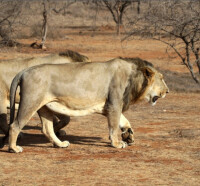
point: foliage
(177, 24)
(9, 14)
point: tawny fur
(79, 89)
(9, 68)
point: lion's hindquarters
(31, 100)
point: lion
(79, 89)
(9, 68)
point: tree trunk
(44, 27)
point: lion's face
(156, 88)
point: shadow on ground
(38, 139)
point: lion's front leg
(127, 131)
(113, 123)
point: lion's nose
(167, 91)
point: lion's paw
(63, 144)
(127, 136)
(120, 144)
(16, 149)
(61, 133)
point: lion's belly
(63, 109)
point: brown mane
(137, 61)
(75, 56)
(132, 94)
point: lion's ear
(148, 72)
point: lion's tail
(16, 81)
(13, 88)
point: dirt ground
(167, 136)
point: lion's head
(145, 82)
(156, 86)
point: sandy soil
(167, 136)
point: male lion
(79, 89)
(9, 68)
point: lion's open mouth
(155, 98)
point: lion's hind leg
(3, 109)
(46, 117)
(23, 116)
(13, 134)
